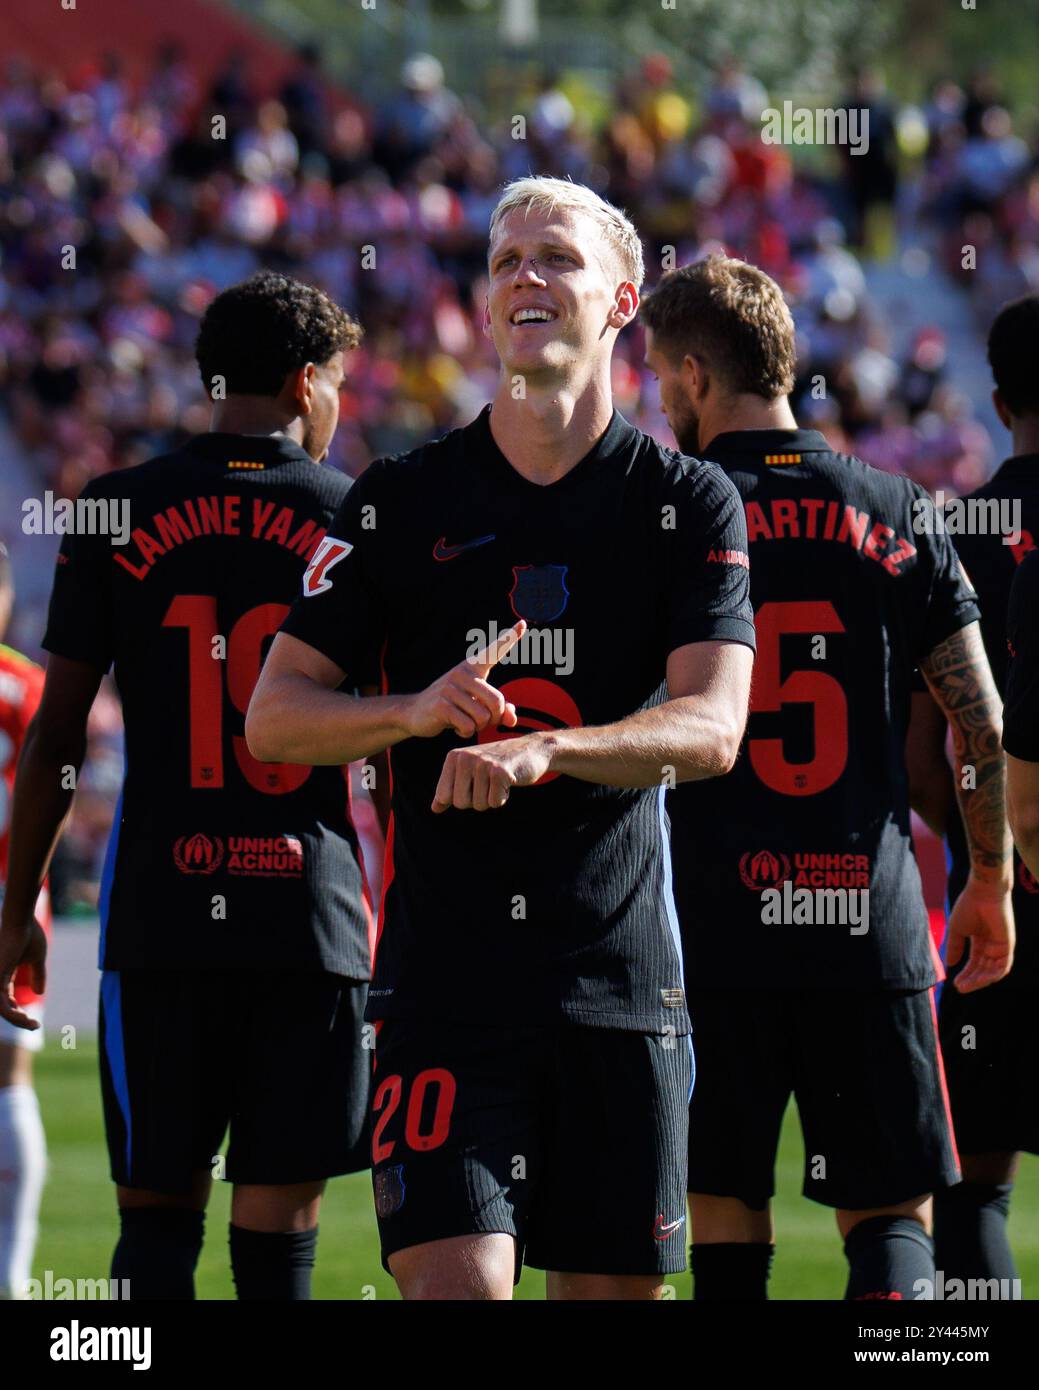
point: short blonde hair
(545, 194)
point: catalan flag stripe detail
(782, 458)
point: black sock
(888, 1256)
(272, 1264)
(970, 1231)
(731, 1271)
(157, 1252)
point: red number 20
(389, 1095)
(823, 692)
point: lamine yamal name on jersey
(220, 515)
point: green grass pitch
(78, 1221)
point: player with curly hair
(228, 883)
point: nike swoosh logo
(443, 551)
(662, 1230)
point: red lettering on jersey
(231, 505)
(279, 530)
(854, 527)
(261, 511)
(209, 511)
(902, 551)
(138, 571)
(800, 518)
(757, 527)
(812, 506)
(880, 533)
(784, 518)
(307, 539)
(148, 548)
(728, 557)
(172, 528)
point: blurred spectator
(734, 93)
(303, 97)
(871, 172)
(417, 117)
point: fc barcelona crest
(389, 1190)
(539, 592)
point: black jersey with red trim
(216, 860)
(993, 529)
(558, 903)
(849, 597)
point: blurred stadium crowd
(97, 365)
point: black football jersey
(848, 599)
(216, 860)
(557, 904)
(992, 551)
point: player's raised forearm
(300, 716)
(43, 793)
(958, 674)
(683, 740)
(294, 719)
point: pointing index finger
(490, 655)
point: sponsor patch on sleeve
(328, 553)
(728, 557)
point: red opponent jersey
(21, 685)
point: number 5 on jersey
(821, 691)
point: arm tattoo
(958, 674)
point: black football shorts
(279, 1057)
(991, 1047)
(865, 1069)
(570, 1139)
